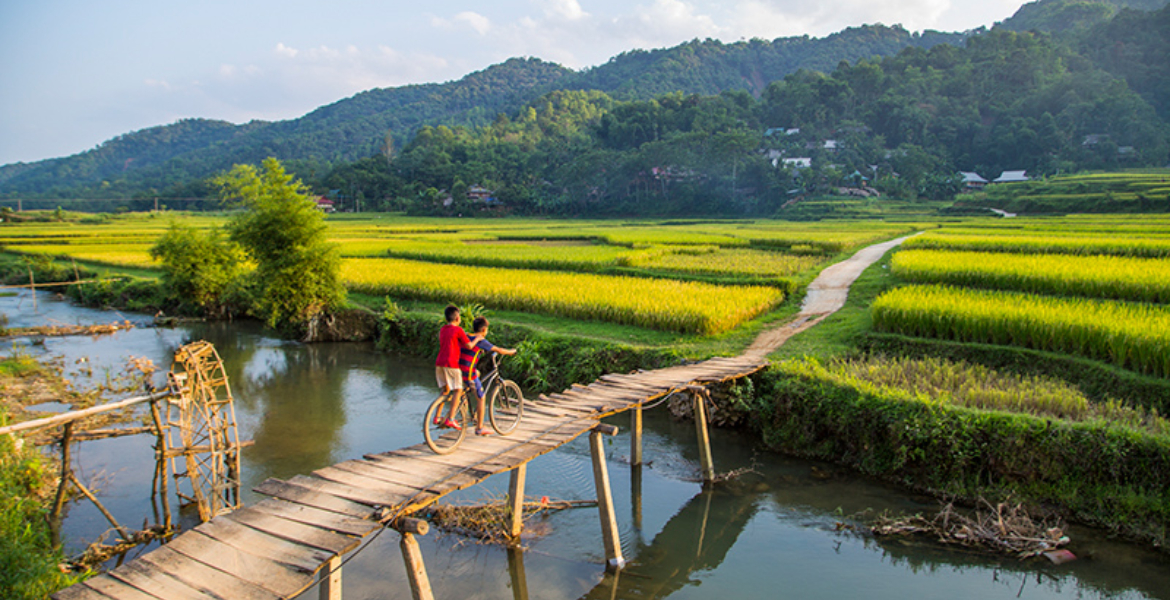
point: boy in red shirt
(452, 339)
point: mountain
(1068, 16)
(710, 67)
(166, 160)
(158, 158)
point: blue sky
(77, 73)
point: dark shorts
(474, 384)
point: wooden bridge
(295, 538)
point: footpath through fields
(280, 546)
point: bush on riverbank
(1096, 472)
(28, 561)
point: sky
(76, 73)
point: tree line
(903, 125)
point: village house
(478, 193)
(324, 204)
(972, 181)
(1012, 177)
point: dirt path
(826, 295)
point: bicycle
(439, 437)
(504, 402)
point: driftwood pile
(488, 522)
(1002, 529)
(63, 330)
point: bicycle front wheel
(506, 407)
(439, 437)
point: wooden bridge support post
(330, 578)
(636, 437)
(609, 530)
(707, 465)
(516, 500)
(416, 571)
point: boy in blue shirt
(467, 359)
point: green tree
(199, 268)
(297, 271)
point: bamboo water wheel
(202, 440)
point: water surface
(772, 533)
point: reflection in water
(697, 538)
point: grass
(960, 383)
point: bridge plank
(201, 576)
(316, 517)
(279, 578)
(329, 541)
(372, 469)
(284, 490)
(298, 556)
(145, 577)
(362, 495)
(83, 592)
(108, 587)
(398, 491)
(432, 473)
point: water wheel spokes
(204, 444)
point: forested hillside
(902, 125)
(710, 67)
(357, 127)
(1071, 16)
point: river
(772, 533)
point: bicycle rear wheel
(505, 406)
(439, 437)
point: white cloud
(285, 50)
(476, 21)
(564, 9)
(779, 18)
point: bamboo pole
(80, 414)
(35, 285)
(160, 454)
(66, 475)
(109, 517)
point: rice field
(652, 273)
(1116, 277)
(121, 255)
(725, 262)
(1130, 335)
(1082, 244)
(688, 307)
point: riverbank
(27, 482)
